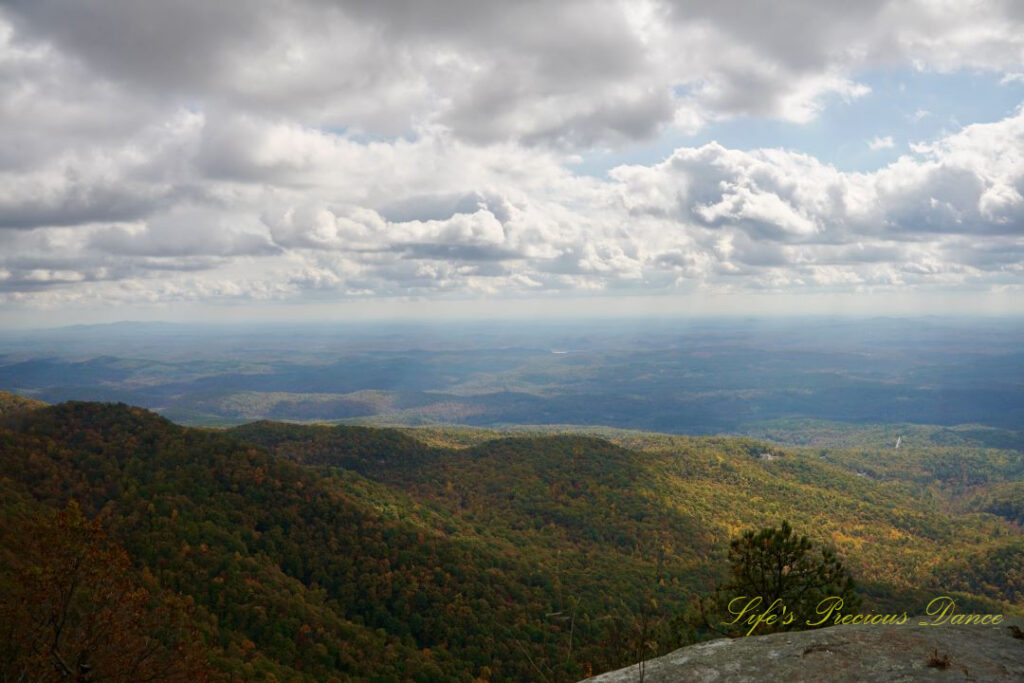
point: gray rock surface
(844, 653)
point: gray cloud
(183, 239)
(185, 46)
(800, 34)
(710, 216)
(78, 204)
(457, 252)
(444, 206)
(267, 150)
(571, 73)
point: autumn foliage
(132, 548)
(75, 610)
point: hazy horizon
(962, 305)
(692, 375)
(526, 319)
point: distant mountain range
(696, 377)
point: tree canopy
(778, 581)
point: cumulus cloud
(192, 150)
(569, 73)
(878, 143)
(709, 216)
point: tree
(777, 582)
(74, 610)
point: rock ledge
(845, 653)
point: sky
(309, 159)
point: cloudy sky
(303, 158)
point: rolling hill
(301, 552)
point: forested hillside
(291, 552)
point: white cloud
(185, 151)
(567, 74)
(878, 143)
(709, 217)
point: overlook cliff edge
(908, 652)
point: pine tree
(774, 572)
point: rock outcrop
(910, 652)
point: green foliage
(75, 610)
(1005, 500)
(11, 404)
(777, 565)
(997, 569)
(778, 581)
(337, 553)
